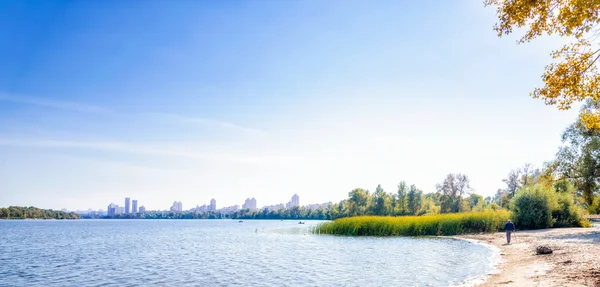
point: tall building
(142, 209)
(177, 206)
(294, 202)
(249, 203)
(120, 210)
(213, 205)
(111, 209)
(134, 208)
(127, 205)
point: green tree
(532, 207)
(4, 213)
(358, 199)
(414, 200)
(452, 190)
(475, 200)
(429, 205)
(18, 212)
(578, 160)
(401, 203)
(381, 201)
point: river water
(224, 253)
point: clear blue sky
(190, 100)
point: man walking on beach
(509, 227)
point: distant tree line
(295, 212)
(161, 215)
(453, 195)
(291, 213)
(19, 212)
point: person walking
(509, 227)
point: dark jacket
(509, 226)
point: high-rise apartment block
(111, 209)
(142, 209)
(114, 209)
(249, 203)
(177, 206)
(127, 205)
(213, 205)
(294, 202)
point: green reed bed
(439, 224)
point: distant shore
(575, 260)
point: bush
(537, 207)
(439, 224)
(595, 207)
(567, 213)
(493, 206)
(532, 207)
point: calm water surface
(224, 253)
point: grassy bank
(440, 224)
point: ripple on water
(224, 253)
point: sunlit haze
(230, 100)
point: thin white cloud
(140, 149)
(63, 105)
(206, 121)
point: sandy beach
(574, 262)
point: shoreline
(574, 262)
(495, 262)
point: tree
(452, 190)
(381, 201)
(4, 213)
(573, 76)
(578, 160)
(358, 200)
(414, 200)
(402, 192)
(518, 178)
(19, 212)
(475, 200)
(529, 174)
(532, 207)
(512, 182)
(488, 200)
(429, 206)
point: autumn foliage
(573, 76)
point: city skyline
(177, 206)
(231, 101)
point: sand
(574, 262)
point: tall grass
(439, 224)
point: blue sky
(190, 100)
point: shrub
(493, 206)
(567, 213)
(532, 207)
(439, 224)
(537, 207)
(595, 207)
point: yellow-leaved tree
(573, 75)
